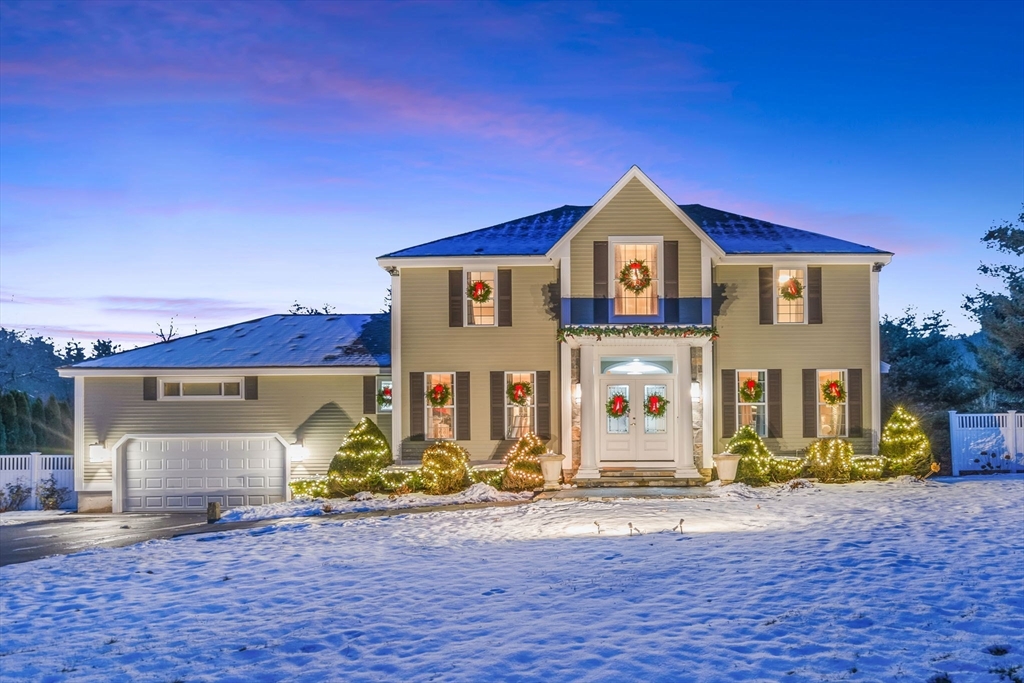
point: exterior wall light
(297, 452)
(695, 391)
(97, 453)
(577, 393)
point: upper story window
(832, 403)
(200, 389)
(481, 294)
(635, 268)
(789, 296)
(752, 400)
(439, 402)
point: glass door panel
(617, 425)
(654, 424)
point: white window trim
(381, 379)
(532, 403)
(200, 380)
(846, 403)
(775, 291)
(481, 268)
(613, 276)
(427, 407)
(764, 397)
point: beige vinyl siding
(842, 341)
(634, 211)
(318, 409)
(430, 345)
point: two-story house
(635, 336)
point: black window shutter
(728, 403)
(456, 294)
(497, 405)
(775, 404)
(417, 396)
(369, 394)
(855, 400)
(600, 270)
(149, 388)
(814, 296)
(463, 423)
(504, 298)
(542, 395)
(252, 388)
(671, 270)
(766, 295)
(810, 391)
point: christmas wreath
(751, 391)
(834, 391)
(791, 290)
(617, 406)
(384, 398)
(635, 276)
(479, 291)
(439, 395)
(655, 406)
(519, 393)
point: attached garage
(185, 474)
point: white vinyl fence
(990, 442)
(32, 469)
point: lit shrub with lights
(489, 477)
(357, 465)
(445, 468)
(315, 487)
(866, 467)
(755, 466)
(784, 469)
(904, 447)
(829, 460)
(522, 468)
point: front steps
(636, 477)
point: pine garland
(601, 331)
(904, 447)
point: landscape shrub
(755, 466)
(358, 463)
(445, 468)
(785, 469)
(51, 495)
(829, 460)
(866, 467)
(522, 468)
(14, 496)
(904, 447)
(489, 477)
(315, 487)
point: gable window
(832, 419)
(200, 389)
(439, 402)
(481, 295)
(638, 261)
(790, 284)
(752, 400)
(520, 413)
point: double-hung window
(200, 389)
(752, 400)
(790, 295)
(832, 418)
(521, 411)
(481, 295)
(636, 275)
(439, 403)
(384, 395)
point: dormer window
(636, 268)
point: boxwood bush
(445, 468)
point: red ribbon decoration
(751, 385)
(652, 403)
(387, 392)
(617, 407)
(833, 387)
(438, 391)
(792, 287)
(518, 390)
(478, 289)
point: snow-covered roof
(276, 341)
(535, 235)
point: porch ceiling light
(635, 367)
(695, 391)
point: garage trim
(117, 464)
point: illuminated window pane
(626, 302)
(831, 418)
(790, 310)
(441, 420)
(478, 313)
(752, 413)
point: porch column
(588, 414)
(684, 416)
(708, 389)
(565, 398)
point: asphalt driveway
(74, 533)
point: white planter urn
(726, 464)
(551, 468)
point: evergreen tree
(101, 348)
(56, 437)
(3, 436)
(359, 460)
(1001, 316)
(38, 414)
(904, 447)
(9, 418)
(23, 418)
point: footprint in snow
(494, 591)
(612, 557)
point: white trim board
(220, 371)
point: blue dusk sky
(217, 161)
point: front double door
(636, 439)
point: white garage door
(167, 475)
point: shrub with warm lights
(445, 468)
(755, 466)
(904, 447)
(315, 487)
(829, 460)
(866, 467)
(489, 477)
(522, 468)
(357, 465)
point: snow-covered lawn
(890, 581)
(368, 502)
(25, 516)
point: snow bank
(25, 516)
(365, 501)
(865, 582)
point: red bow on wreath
(478, 289)
(793, 287)
(438, 391)
(518, 392)
(387, 392)
(751, 385)
(833, 388)
(652, 403)
(618, 407)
